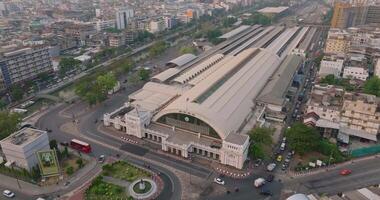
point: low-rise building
(116, 40)
(20, 147)
(331, 65)
(360, 116)
(356, 72)
(337, 42)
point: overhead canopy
(182, 60)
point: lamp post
(18, 183)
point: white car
(219, 181)
(8, 194)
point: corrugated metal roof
(235, 32)
(182, 60)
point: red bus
(80, 146)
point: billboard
(48, 162)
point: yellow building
(337, 42)
(340, 15)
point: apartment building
(102, 25)
(123, 17)
(360, 116)
(340, 15)
(24, 64)
(338, 42)
(116, 40)
(157, 26)
(331, 65)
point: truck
(259, 182)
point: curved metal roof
(298, 197)
(182, 60)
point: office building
(331, 65)
(20, 147)
(123, 17)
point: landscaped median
(118, 179)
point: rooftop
(23, 136)
(273, 9)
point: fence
(365, 151)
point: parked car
(345, 172)
(65, 144)
(266, 192)
(219, 181)
(271, 167)
(8, 193)
(270, 178)
(258, 162)
(282, 147)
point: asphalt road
(364, 173)
(53, 121)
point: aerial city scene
(190, 99)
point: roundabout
(142, 189)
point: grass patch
(100, 190)
(125, 171)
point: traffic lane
(364, 173)
(247, 190)
(18, 195)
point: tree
(53, 144)
(79, 162)
(3, 105)
(44, 76)
(262, 135)
(95, 91)
(188, 49)
(70, 170)
(65, 152)
(66, 64)
(256, 151)
(9, 123)
(213, 35)
(372, 86)
(302, 138)
(17, 93)
(229, 21)
(157, 48)
(143, 74)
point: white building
(20, 148)
(157, 26)
(377, 68)
(203, 110)
(355, 73)
(102, 25)
(331, 65)
(123, 17)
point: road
(53, 121)
(364, 173)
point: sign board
(311, 164)
(319, 163)
(48, 162)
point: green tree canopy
(17, 93)
(213, 35)
(158, 48)
(143, 74)
(66, 64)
(302, 138)
(372, 86)
(188, 49)
(9, 123)
(229, 21)
(95, 91)
(257, 18)
(256, 151)
(261, 135)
